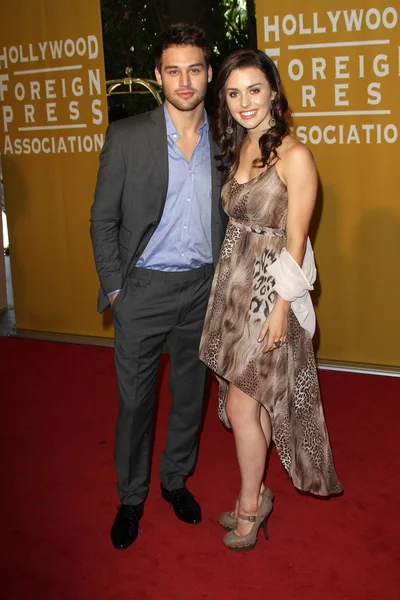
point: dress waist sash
(259, 230)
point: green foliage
(229, 28)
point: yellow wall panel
(53, 114)
(340, 65)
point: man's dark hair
(182, 34)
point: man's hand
(112, 298)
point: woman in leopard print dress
(252, 339)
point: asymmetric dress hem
(284, 380)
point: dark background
(131, 26)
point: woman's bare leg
(251, 448)
(266, 424)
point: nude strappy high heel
(228, 520)
(247, 542)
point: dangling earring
(229, 129)
(272, 121)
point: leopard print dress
(285, 380)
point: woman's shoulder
(292, 150)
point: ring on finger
(277, 343)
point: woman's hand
(276, 326)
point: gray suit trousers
(154, 309)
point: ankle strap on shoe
(250, 518)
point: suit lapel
(159, 145)
(216, 182)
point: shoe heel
(264, 526)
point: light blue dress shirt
(182, 239)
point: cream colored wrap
(294, 284)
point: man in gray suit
(157, 226)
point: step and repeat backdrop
(340, 65)
(53, 115)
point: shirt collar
(171, 129)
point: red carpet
(58, 496)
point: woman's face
(249, 98)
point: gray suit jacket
(130, 195)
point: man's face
(184, 76)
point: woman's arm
(299, 173)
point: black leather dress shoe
(185, 507)
(126, 525)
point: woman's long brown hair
(271, 140)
